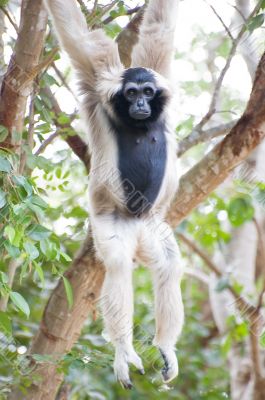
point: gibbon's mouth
(140, 114)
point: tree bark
(18, 80)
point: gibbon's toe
(135, 360)
(124, 379)
(170, 369)
(127, 384)
(121, 366)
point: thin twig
(95, 5)
(216, 92)
(84, 8)
(74, 141)
(254, 332)
(94, 20)
(240, 13)
(30, 141)
(12, 267)
(196, 137)
(262, 250)
(243, 305)
(201, 276)
(128, 13)
(221, 20)
(10, 19)
(63, 80)
(48, 141)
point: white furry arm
(91, 53)
(71, 28)
(156, 38)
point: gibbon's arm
(156, 38)
(91, 53)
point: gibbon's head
(142, 97)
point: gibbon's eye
(131, 92)
(149, 92)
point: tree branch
(241, 302)
(74, 141)
(129, 12)
(10, 19)
(216, 92)
(215, 167)
(197, 137)
(129, 37)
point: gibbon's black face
(140, 100)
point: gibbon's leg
(115, 241)
(160, 251)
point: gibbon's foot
(124, 357)
(170, 370)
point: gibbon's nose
(140, 102)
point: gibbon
(131, 136)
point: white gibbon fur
(122, 233)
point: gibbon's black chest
(142, 162)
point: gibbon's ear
(156, 37)
(91, 53)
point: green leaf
(22, 181)
(4, 277)
(40, 273)
(255, 22)
(262, 340)
(227, 344)
(48, 249)
(223, 283)
(240, 210)
(36, 209)
(31, 250)
(43, 358)
(5, 165)
(63, 119)
(37, 232)
(69, 292)
(5, 324)
(12, 250)
(66, 257)
(10, 233)
(3, 3)
(3, 133)
(77, 212)
(38, 201)
(20, 302)
(2, 198)
(58, 172)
